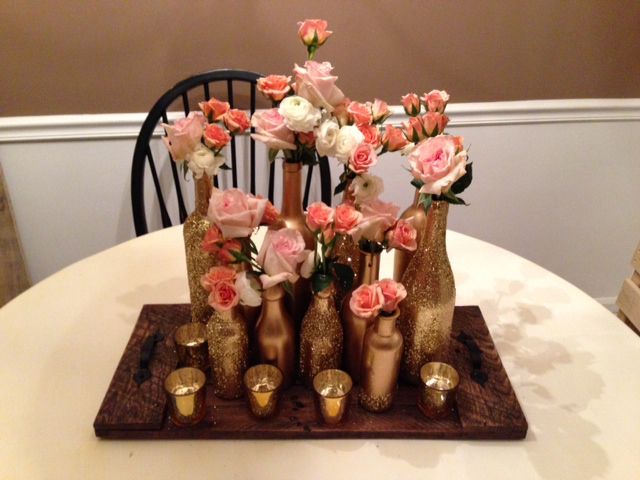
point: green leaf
(417, 183)
(273, 153)
(340, 187)
(252, 247)
(425, 200)
(319, 282)
(343, 274)
(288, 288)
(451, 198)
(464, 181)
(224, 166)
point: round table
(573, 365)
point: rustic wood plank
(629, 302)
(13, 273)
(635, 261)
(489, 412)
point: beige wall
(114, 56)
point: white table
(573, 365)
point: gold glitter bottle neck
(369, 267)
(203, 187)
(436, 229)
(291, 185)
(347, 195)
(386, 324)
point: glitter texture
(419, 221)
(427, 312)
(375, 403)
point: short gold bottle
(419, 220)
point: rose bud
(274, 87)
(360, 113)
(411, 104)
(380, 111)
(393, 139)
(313, 32)
(435, 100)
(214, 109)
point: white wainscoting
(556, 181)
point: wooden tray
(129, 411)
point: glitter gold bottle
(419, 220)
(198, 262)
(347, 251)
(320, 337)
(427, 311)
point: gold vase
(275, 335)
(403, 257)
(355, 326)
(293, 217)
(427, 311)
(346, 250)
(198, 262)
(320, 337)
(381, 357)
(228, 341)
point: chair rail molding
(127, 125)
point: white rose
(349, 137)
(326, 136)
(248, 294)
(366, 188)
(299, 115)
(308, 266)
(202, 160)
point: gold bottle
(293, 217)
(198, 262)
(427, 311)
(228, 341)
(275, 335)
(346, 250)
(381, 357)
(354, 326)
(402, 257)
(320, 337)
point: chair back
(629, 298)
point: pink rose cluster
(437, 162)
(384, 295)
(432, 122)
(228, 288)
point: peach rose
(224, 296)
(274, 87)
(216, 137)
(328, 234)
(393, 293)
(217, 274)
(307, 138)
(184, 136)
(319, 216)
(403, 236)
(415, 129)
(436, 163)
(226, 252)
(347, 219)
(393, 139)
(411, 104)
(371, 135)
(377, 218)
(435, 100)
(235, 213)
(214, 109)
(212, 240)
(366, 301)
(434, 123)
(360, 113)
(271, 130)
(380, 110)
(313, 32)
(363, 158)
(236, 121)
(271, 214)
(281, 253)
(315, 83)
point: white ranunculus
(299, 115)
(248, 294)
(326, 137)
(349, 138)
(308, 266)
(366, 188)
(202, 160)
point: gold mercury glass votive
(186, 390)
(263, 384)
(191, 345)
(439, 385)
(332, 389)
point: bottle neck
(203, 188)
(369, 267)
(291, 185)
(386, 323)
(436, 226)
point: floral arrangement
(381, 297)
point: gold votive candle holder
(191, 345)
(439, 386)
(263, 384)
(186, 390)
(333, 388)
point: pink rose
(279, 256)
(217, 274)
(183, 137)
(224, 296)
(459, 143)
(216, 137)
(371, 135)
(313, 32)
(436, 163)
(319, 216)
(434, 123)
(411, 104)
(380, 111)
(212, 240)
(377, 218)
(393, 293)
(360, 113)
(393, 139)
(340, 111)
(403, 236)
(366, 301)
(307, 138)
(347, 219)
(272, 131)
(415, 129)
(363, 158)
(226, 252)
(435, 100)
(235, 213)
(315, 83)
(274, 87)
(214, 109)
(236, 121)
(271, 214)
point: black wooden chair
(184, 96)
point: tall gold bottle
(427, 311)
(346, 250)
(381, 357)
(275, 335)
(228, 341)
(354, 326)
(293, 217)
(198, 262)
(320, 337)
(403, 257)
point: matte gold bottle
(403, 257)
(381, 357)
(275, 335)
